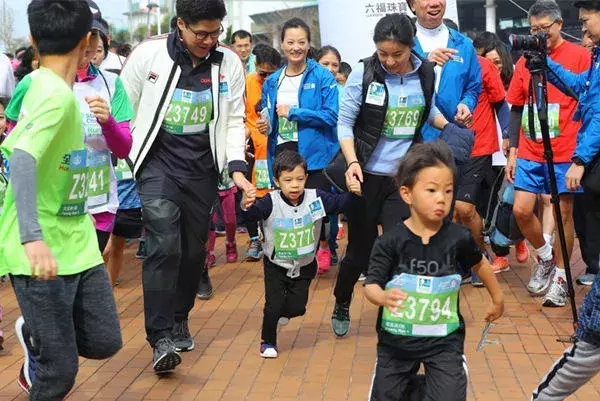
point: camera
(531, 43)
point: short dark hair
(345, 69)
(266, 54)
(241, 34)
(287, 160)
(325, 50)
(396, 27)
(419, 157)
(192, 11)
(295, 23)
(57, 26)
(587, 5)
(4, 101)
(485, 40)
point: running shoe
(586, 279)
(500, 264)
(165, 356)
(522, 251)
(340, 319)
(27, 373)
(255, 250)
(181, 337)
(268, 351)
(542, 276)
(324, 260)
(231, 252)
(558, 294)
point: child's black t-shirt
(401, 251)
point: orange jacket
(253, 95)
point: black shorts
(472, 177)
(128, 223)
(446, 376)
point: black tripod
(539, 87)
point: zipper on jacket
(157, 113)
(218, 104)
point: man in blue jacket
(581, 362)
(458, 74)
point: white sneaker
(362, 277)
(268, 351)
(283, 321)
(557, 294)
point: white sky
(113, 10)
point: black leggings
(103, 237)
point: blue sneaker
(255, 251)
(27, 373)
(334, 257)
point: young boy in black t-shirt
(414, 276)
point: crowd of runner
(182, 139)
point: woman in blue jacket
(302, 102)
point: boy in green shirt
(47, 240)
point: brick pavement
(313, 365)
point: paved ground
(313, 365)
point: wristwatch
(576, 160)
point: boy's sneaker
(27, 373)
(475, 280)
(255, 250)
(334, 258)
(231, 252)
(542, 276)
(141, 252)
(500, 264)
(586, 279)
(557, 294)
(522, 251)
(268, 350)
(283, 321)
(181, 337)
(324, 260)
(166, 357)
(340, 319)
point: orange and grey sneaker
(522, 251)
(500, 264)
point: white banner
(348, 25)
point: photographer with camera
(581, 362)
(527, 168)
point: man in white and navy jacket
(188, 93)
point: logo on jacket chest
(152, 77)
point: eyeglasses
(541, 28)
(201, 35)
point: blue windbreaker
(316, 115)
(587, 86)
(460, 81)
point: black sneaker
(181, 337)
(141, 252)
(340, 319)
(27, 372)
(205, 288)
(166, 357)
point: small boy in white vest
(290, 218)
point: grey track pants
(576, 367)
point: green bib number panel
(294, 237)
(430, 309)
(403, 116)
(553, 122)
(189, 112)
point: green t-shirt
(50, 129)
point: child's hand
(99, 107)
(41, 260)
(495, 311)
(354, 186)
(393, 298)
(248, 198)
